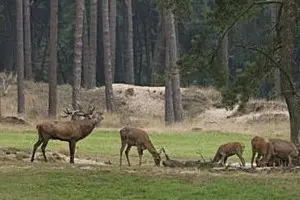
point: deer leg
(241, 158)
(35, 146)
(123, 145)
(289, 161)
(257, 159)
(252, 158)
(140, 152)
(126, 153)
(72, 145)
(222, 159)
(44, 145)
(225, 160)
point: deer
(284, 150)
(229, 149)
(70, 131)
(263, 148)
(137, 137)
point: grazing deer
(70, 131)
(284, 150)
(264, 148)
(139, 138)
(229, 149)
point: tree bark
(225, 61)
(159, 51)
(109, 97)
(93, 44)
(20, 56)
(277, 88)
(85, 52)
(112, 26)
(169, 108)
(77, 53)
(129, 65)
(27, 42)
(174, 68)
(287, 40)
(53, 60)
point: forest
(244, 48)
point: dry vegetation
(143, 107)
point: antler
(91, 109)
(7, 81)
(72, 112)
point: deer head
(79, 114)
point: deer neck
(151, 148)
(87, 126)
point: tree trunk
(85, 52)
(159, 51)
(225, 62)
(287, 40)
(169, 109)
(277, 89)
(93, 44)
(77, 53)
(20, 56)
(27, 42)
(109, 97)
(129, 65)
(53, 60)
(174, 68)
(112, 26)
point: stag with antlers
(70, 131)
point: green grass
(107, 144)
(40, 183)
(22, 180)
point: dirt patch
(14, 154)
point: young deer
(69, 131)
(263, 148)
(140, 139)
(229, 149)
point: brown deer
(139, 138)
(263, 148)
(284, 151)
(69, 131)
(229, 149)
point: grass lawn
(73, 183)
(107, 144)
(22, 180)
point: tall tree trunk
(129, 65)
(109, 97)
(77, 53)
(85, 52)
(174, 68)
(93, 44)
(287, 40)
(148, 52)
(112, 26)
(159, 51)
(53, 60)
(20, 56)
(225, 61)
(274, 11)
(27, 42)
(169, 108)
